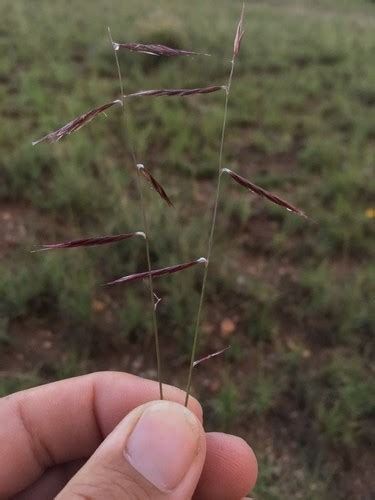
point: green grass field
(291, 297)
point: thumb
(157, 451)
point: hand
(101, 436)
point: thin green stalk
(151, 287)
(145, 227)
(211, 238)
(118, 67)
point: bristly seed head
(155, 49)
(157, 272)
(254, 188)
(176, 92)
(154, 183)
(76, 124)
(89, 242)
(239, 34)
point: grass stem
(211, 237)
(151, 284)
(145, 223)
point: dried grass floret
(154, 183)
(177, 92)
(213, 355)
(89, 242)
(262, 192)
(158, 272)
(155, 49)
(76, 124)
(239, 34)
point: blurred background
(292, 298)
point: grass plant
(297, 295)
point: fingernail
(163, 444)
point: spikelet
(265, 194)
(158, 272)
(76, 124)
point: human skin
(48, 433)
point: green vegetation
(297, 382)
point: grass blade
(76, 124)
(155, 184)
(158, 272)
(265, 194)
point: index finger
(67, 420)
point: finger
(230, 470)
(66, 421)
(157, 452)
(51, 483)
